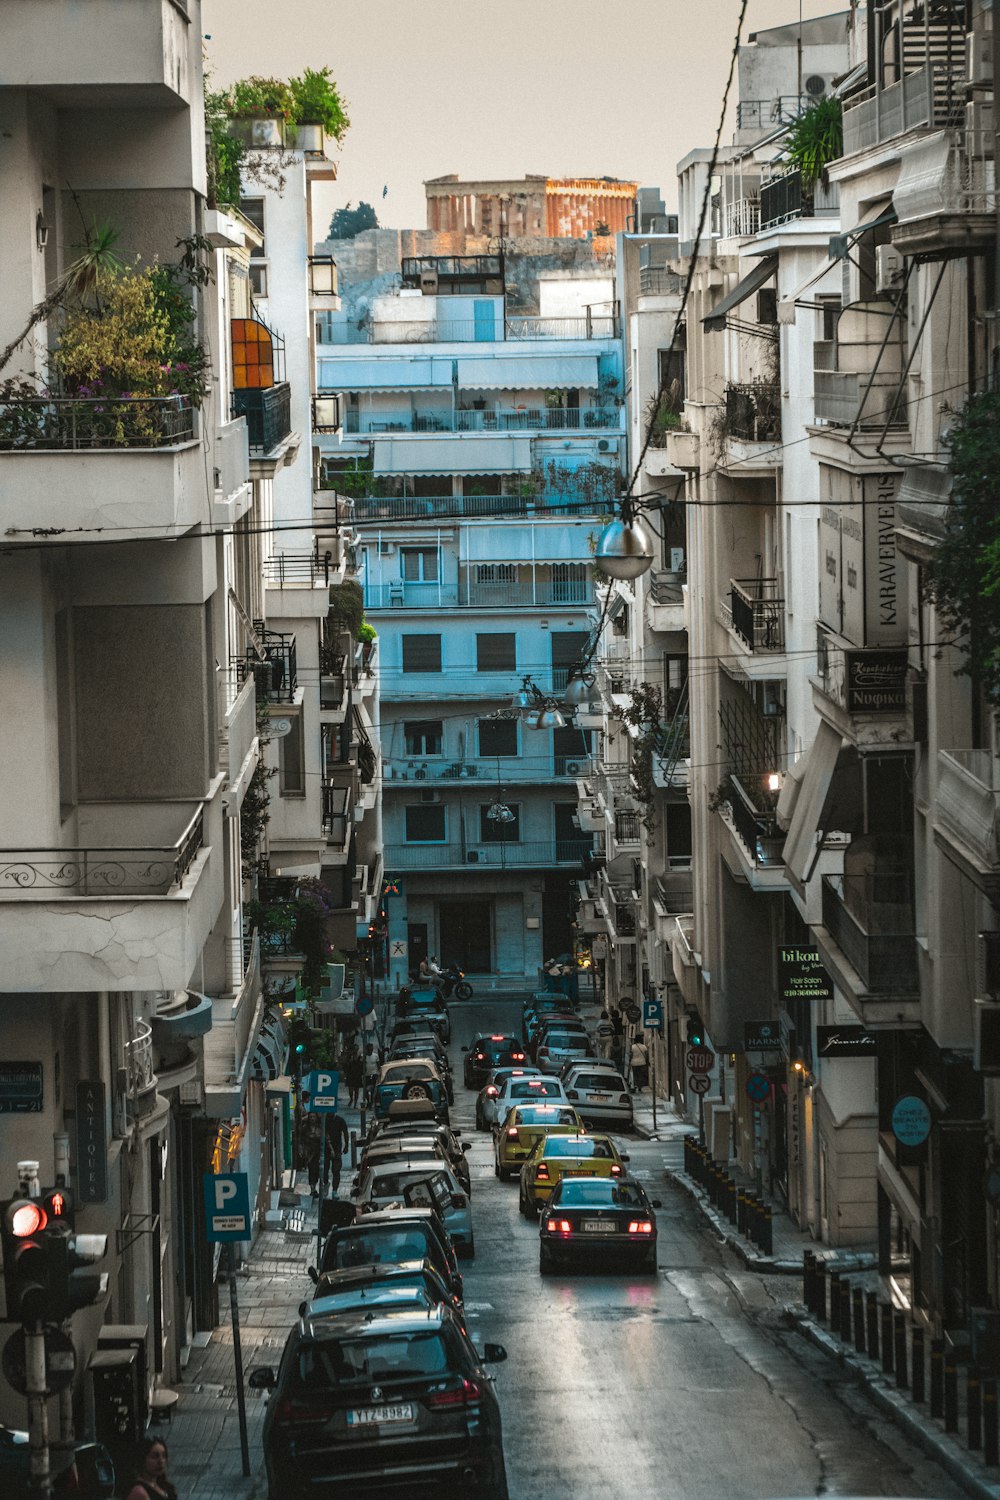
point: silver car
(600, 1097)
(420, 1184)
(558, 1047)
(486, 1104)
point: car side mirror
(262, 1379)
(657, 1202)
(624, 1156)
(314, 1275)
(465, 1146)
(494, 1354)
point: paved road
(690, 1387)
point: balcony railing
(336, 812)
(74, 424)
(934, 96)
(667, 587)
(140, 1072)
(506, 419)
(870, 391)
(757, 611)
(268, 413)
(757, 828)
(784, 198)
(287, 569)
(628, 826)
(473, 595)
(103, 871)
(968, 802)
(332, 680)
(466, 330)
(275, 676)
(886, 961)
(658, 281)
(536, 854)
(742, 218)
(525, 768)
(425, 507)
(762, 114)
(753, 413)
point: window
(497, 737)
(679, 836)
(496, 572)
(423, 737)
(419, 564)
(291, 760)
(425, 824)
(253, 209)
(421, 653)
(258, 280)
(497, 831)
(671, 371)
(496, 652)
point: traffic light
(696, 1034)
(25, 1261)
(72, 1283)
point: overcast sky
(618, 88)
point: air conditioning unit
(573, 768)
(979, 129)
(472, 857)
(607, 445)
(890, 269)
(386, 549)
(979, 57)
(429, 796)
(815, 85)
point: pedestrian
(150, 1481)
(337, 1142)
(639, 1063)
(605, 1035)
(618, 1040)
(354, 1076)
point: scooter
(453, 980)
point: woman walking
(150, 1481)
(639, 1063)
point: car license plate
(598, 1226)
(599, 1098)
(370, 1416)
(581, 1172)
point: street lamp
(578, 690)
(624, 549)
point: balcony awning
(524, 543)
(521, 373)
(751, 282)
(804, 839)
(265, 1065)
(468, 453)
(421, 372)
(840, 244)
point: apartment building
(481, 462)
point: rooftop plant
(311, 98)
(815, 139)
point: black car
(427, 1006)
(491, 1050)
(368, 1404)
(86, 1471)
(598, 1220)
(409, 1283)
(390, 1236)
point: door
(484, 318)
(416, 944)
(465, 928)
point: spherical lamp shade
(577, 693)
(624, 550)
(550, 718)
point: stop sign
(700, 1060)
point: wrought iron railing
(104, 870)
(467, 330)
(785, 198)
(885, 961)
(140, 1072)
(742, 218)
(268, 413)
(757, 828)
(289, 568)
(753, 413)
(276, 675)
(423, 507)
(627, 827)
(761, 114)
(75, 424)
(758, 613)
(336, 811)
(536, 854)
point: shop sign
(761, 1036)
(801, 975)
(91, 1142)
(845, 1041)
(911, 1121)
(20, 1088)
(876, 682)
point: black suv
(491, 1050)
(363, 1404)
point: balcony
(336, 813)
(628, 830)
(522, 769)
(757, 832)
(66, 47)
(445, 330)
(784, 198)
(932, 97)
(269, 416)
(274, 672)
(666, 609)
(238, 737)
(857, 376)
(757, 613)
(741, 218)
(945, 196)
(765, 114)
(72, 467)
(454, 275)
(229, 1046)
(684, 449)
(658, 281)
(298, 583)
(875, 937)
(753, 413)
(333, 676)
(538, 854)
(499, 419)
(517, 592)
(429, 507)
(967, 813)
(129, 906)
(140, 1073)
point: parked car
(557, 1047)
(487, 1051)
(406, 1284)
(601, 1097)
(514, 1140)
(417, 1130)
(390, 1237)
(427, 1005)
(407, 1048)
(416, 1078)
(553, 1023)
(420, 1183)
(398, 1401)
(486, 1103)
(426, 1151)
(598, 1219)
(556, 1156)
(586, 1065)
(536, 1016)
(86, 1472)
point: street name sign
(227, 1207)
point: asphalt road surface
(691, 1386)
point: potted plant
(262, 110)
(318, 109)
(815, 139)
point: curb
(940, 1446)
(767, 1265)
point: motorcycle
(453, 981)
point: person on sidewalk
(639, 1063)
(150, 1481)
(605, 1035)
(337, 1141)
(354, 1076)
(618, 1040)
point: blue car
(410, 1078)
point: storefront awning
(751, 282)
(521, 373)
(805, 831)
(468, 453)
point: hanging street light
(624, 549)
(578, 690)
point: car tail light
(572, 1094)
(299, 1416)
(466, 1394)
(542, 1172)
(512, 1134)
(616, 1170)
(559, 1226)
(459, 1200)
(517, 1056)
(640, 1226)
(623, 1098)
(497, 1036)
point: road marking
(479, 1307)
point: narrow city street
(690, 1385)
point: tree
(348, 222)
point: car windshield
(326, 1362)
(416, 1069)
(386, 1248)
(576, 1145)
(544, 1115)
(391, 1184)
(525, 1089)
(599, 1192)
(566, 1039)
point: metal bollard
(950, 1392)
(731, 1200)
(937, 1377)
(354, 1150)
(991, 1427)
(808, 1280)
(919, 1365)
(885, 1317)
(974, 1408)
(821, 1281)
(846, 1298)
(835, 1301)
(858, 1310)
(753, 1217)
(741, 1211)
(767, 1229)
(871, 1322)
(900, 1351)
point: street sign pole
(652, 1076)
(319, 1185)
(38, 1416)
(758, 1170)
(241, 1398)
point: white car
(600, 1097)
(486, 1103)
(535, 1089)
(558, 1047)
(419, 1184)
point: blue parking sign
(227, 1207)
(321, 1085)
(652, 1015)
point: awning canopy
(266, 1063)
(524, 373)
(840, 244)
(419, 372)
(805, 831)
(751, 282)
(525, 543)
(465, 453)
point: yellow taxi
(556, 1156)
(522, 1126)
